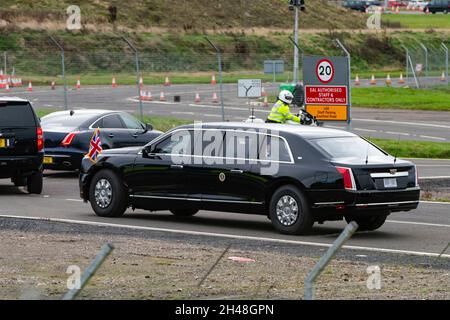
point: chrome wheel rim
(103, 193)
(287, 210)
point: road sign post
(327, 88)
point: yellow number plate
(48, 160)
(2, 143)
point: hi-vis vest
(281, 113)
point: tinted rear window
(16, 115)
(347, 147)
(65, 120)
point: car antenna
(396, 151)
(367, 154)
(72, 112)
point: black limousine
(296, 175)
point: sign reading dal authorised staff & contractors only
(327, 87)
(326, 95)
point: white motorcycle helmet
(286, 96)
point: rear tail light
(69, 138)
(349, 180)
(40, 139)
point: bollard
(90, 271)
(349, 230)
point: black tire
(35, 183)
(184, 212)
(369, 223)
(117, 203)
(303, 221)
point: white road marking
(434, 138)
(435, 202)
(398, 133)
(433, 178)
(366, 130)
(433, 165)
(405, 123)
(231, 236)
(74, 200)
(180, 112)
(420, 223)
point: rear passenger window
(16, 115)
(241, 146)
(112, 122)
(274, 149)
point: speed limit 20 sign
(327, 87)
(325, 71)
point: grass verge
(415, 149)
(438, 21)
(402, 98)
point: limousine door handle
(177, 166)
(111, 135)
(237, 171)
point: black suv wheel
(289, 211)
(107, 194)
(369, 223)
(35, 183)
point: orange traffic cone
(357, 82)
(78, 86)
(149, 96)
(141, 82)
(213, 80)
(215, 99)
(373, 81)
(388, 80)
(53, 85)
(197, 98)
(266, 102)
(162, 96)
(427, 11)
(443, 77)
(402, 80)
(114, 84)
(263, 92)
(413, 8)
(142, 95)
(7, 87)
(397, 10)
(167, 82)
(30, 87)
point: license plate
(48, 160)
(2, 143)
(390, 183)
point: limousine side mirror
(147, 151)
(148, 127)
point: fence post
(349, 230)
(349, 57)
(298, 48)
(63, 69)
(138, 74)
(425, 49)
(90, 271)
(219, 61)
(407, 62)
(446, 59)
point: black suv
(438, 6)
(21, 144)
(360, 5)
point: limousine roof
(307, 132)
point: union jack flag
(95, 147)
